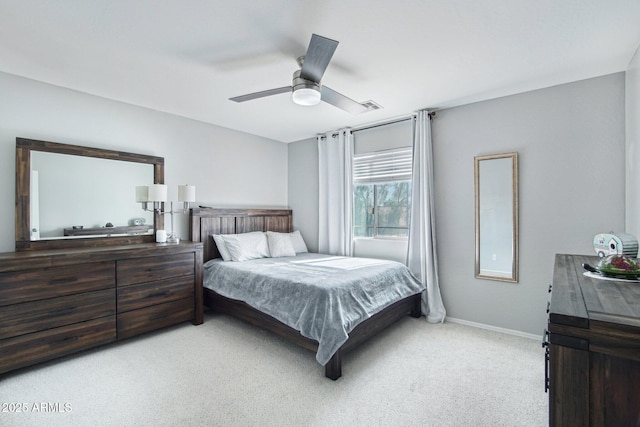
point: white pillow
(298, 242)
(246, 246)
(280, 244)
(222, 248)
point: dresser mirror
(496, 217)
(70, 196)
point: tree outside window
(382, 209)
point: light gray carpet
(226, 373)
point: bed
(227, 298)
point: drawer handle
(548, 306)
(545, 338)
(550, 288)
(545, 344)
(546, 370)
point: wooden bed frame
(207, 221)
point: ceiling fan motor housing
(305, 92)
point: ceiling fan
(306, 86)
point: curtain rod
(390, 122)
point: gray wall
(228, 168)
(303, 189)
(570, 142)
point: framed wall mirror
(496, 217)
(70, 196)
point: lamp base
(172, 238)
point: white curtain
(421, 258)
(335, 153)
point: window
(382, 193)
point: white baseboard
(494, 328)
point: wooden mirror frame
(498, 275)
(24, 147)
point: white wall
(228, 168)
(570, 142)
(632, 125)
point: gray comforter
(324, 297)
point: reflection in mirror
(88, 189)
(496, 212)
(78, 196)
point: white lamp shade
(142, 194)
(158, 193)
(306, 96)
(186, 193)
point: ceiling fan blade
(339, 100)
(317, 58)
(262, 94)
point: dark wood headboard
(207, 221)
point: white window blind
(383, 166)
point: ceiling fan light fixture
(305, 92)
(306, 96)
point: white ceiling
(187, 57)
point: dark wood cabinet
(593, 348)
(155, 293)
(57, 302)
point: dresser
(57, 302)
(593, 348)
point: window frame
(391, 166)
(376, 211)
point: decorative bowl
(619, 266)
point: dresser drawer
(41, 346)
(32, 285)
(155, 317)
(28, 317)
(146, 294)
(149, 269)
